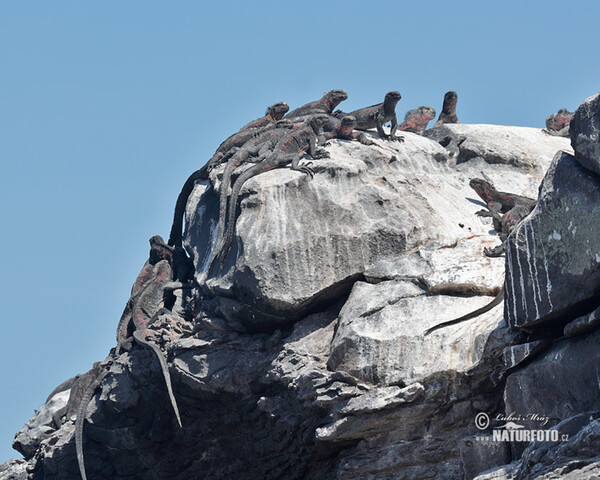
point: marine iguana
(377, 115)
(288, 150)
(222, 154)
(515, 209)
(274, 112)
(416, 120)
(558, 124)
(144, 305)
(252, 151)
(326, 104)
(344, 130)
(234, 142)
(448, 114)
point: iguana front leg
(313, 151)
(363, 138)
(380, 131)
(393, 136)
(295, 160)
(494, 212)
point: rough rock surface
(300, 243)
(585, 134)
(305, 357)
(553, 267)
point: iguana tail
(176, 235)
(235, 192)
(80, 419)
(165, 371)
(486, 308)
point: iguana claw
(307, 170)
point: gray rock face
(553, 257)
(585, 134)
(41, 426)
(566, 373)
(496, 145)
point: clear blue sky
(107, 107)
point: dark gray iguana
(252, 151)
(159, 275)
(326, 104)
(227, 149)
(377, 115)
(448, 114)
(416, 120)
(344, 130)
(514, 207)
(288, 150)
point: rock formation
(303, 357)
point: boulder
(585, 134)
(560, 383)
(301, 244)
(553, 257)
(520, 147)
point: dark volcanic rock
(553, 257)
(561, 383)
(585, 133)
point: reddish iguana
(274, 112)
(288, 150)
(558, 124)
(416, 120)
(376, 116)
(147, 297)
(514, 207)
(326, 104)
(448, 114)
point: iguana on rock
(143, 306)
(326, 104)
(448, 114)
(558, 124)
(288, 150)
(377, 115)
(416, 120)
(222, 153)
(515, 209)
(344, 130)
(274, 112)
(252, 151)
(480, 311)
(230, 147)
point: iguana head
(278, 110)
(482, 187)
(348, 124)
(421, 113)
(558, 121)
(317, 121)
(450, 101)
(284, 123)
(427, 112)
(335, 97)
(392, 96)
